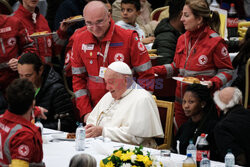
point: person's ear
(203, 104)
(41, 70)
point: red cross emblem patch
(119, 57)
(11, 41)
(203, 59)
(23, 150)
(224, 51)
(141, 46)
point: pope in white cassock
(127, 113)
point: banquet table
(59, 152)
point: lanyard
(105, 52)
(37, 91)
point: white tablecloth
(59, 153)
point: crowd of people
(104, 62)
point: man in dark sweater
(50, 92)
(168, 31)
(232, 132)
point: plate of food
(42, 34)
(64, 136)
(153, 56)
(151, 51)
(190, 80)
(74, 19)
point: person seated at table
(199, 107)
(82, 160)
(239, 62)
(50, 92)
(232, 132)
(130, 10)
(127, 113)
(21, 141)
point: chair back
(242, 28)
(5, 7)
(247, 89)
(160, 13)
(166, 110)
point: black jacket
(189, 131)
(54, 97)
(233, 132)
(165, 41)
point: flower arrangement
(136, 157)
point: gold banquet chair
(242, 29)
(247, 89)
(166, 111)
(5, 7)
(160, 13)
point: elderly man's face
(97, 22)
(115, 83)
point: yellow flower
(144, 159)
(140, 158)
(102, 164)
(118, 153)
(110, 164)
(126, 156)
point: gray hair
(236, 99)
(82, 160)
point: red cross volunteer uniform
(14, 40)
(20, 141)
(46, 45)
(91, 57)
(207, 59)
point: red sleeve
(22, 146)
(141, 63)
(223, 64)
(26, 44)
(80, 80)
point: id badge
(102, 71)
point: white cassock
(133, 119)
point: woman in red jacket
(200, 53)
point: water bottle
(39, 124)
(205, 162)
(189, 162)
(80, 138)
(229, 159)
(214, 4)
(166, 159)
(191, 149)
(202, 147)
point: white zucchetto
(120, 67)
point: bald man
(95, 48)
(116, 115)
(232, 132)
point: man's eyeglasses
(98, 23)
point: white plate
(154, 57)
(42, 35)
(181, 79)
(62, 136)
(74, 20)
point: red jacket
(87, 59)
(14, 40)
(23, 139)
(46, 46)
(208, 60)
